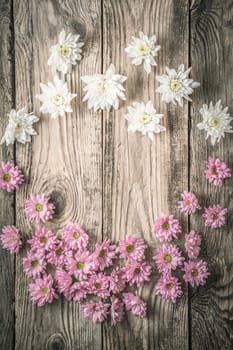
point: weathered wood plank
(211, 55)
(64, 160)
(142, 179)
(7, 278)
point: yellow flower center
(215, 121)
(175, 85)
(167, 258)
(65, 51)
(39, 207)
(14, 238)
(80, 265)
(34, 263)
(165, 225)
(169, 286)
(104, 87)
(58, 100)
(43, 240)
(145, 118)
(101, 253)
(19, 126)
(214, 170)
(76, 235)
(137, 270)
(45, 290)
(130, 248)
(59, 252)
(144, 49)
(194, 272)
(97, 285)
(6, 177)
(214, 216)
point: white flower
(143, 49)
(104, 90)
(144, 118)
(216, 121)
(55, 98)
(175, 85)
(66, 52)
(19, 127)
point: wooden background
(112, 182)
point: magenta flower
(168, 257)
(98, 284)
(132, 248)
(134, 304)
(11, 239)
(189, 203)
(42, 291)
(193, 244)
(43, 240)
(216, 171)
(78, 292)
(64, 280)
(196, 273)
(137, 273)
(38, 208)
(11, 177)
(166, 228)
(168, 287)
(34, 265)
(96, 311)
(81, 265)
(57, 253)
(75, 237)
(116, 310)
(104, 254)
(215, 216)
(117, 281)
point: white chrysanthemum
(66, 52)
(216, 121)
(143, 50)
(144, 118)
(55, 98)
(176, 86)
(19, 127)
(104, 90)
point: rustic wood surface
(111, 182)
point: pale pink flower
(215, 216)
(64, 280)
(196, 272)
(189, 203)
(43, 240)
(11, 239)
(132, 248)
(116, 281)
(216, 171)
(96, 311)
(116, 310)
(34, 265)
(168, 257)
(42, 291)
(98, 284)
(166, 228)
(192, 244)
(11, 177)
(104, 254)
(168, 287)
(75, 237)
(81, 265)
(134, 304)
(57, 253)
(137, 273)
(38, 208)
(77, 292)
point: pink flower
(96, 311)
(168, 257)
(77, 292)
(132, 248)
(116, 310)
(42, 291)
(215, 216)
(189, 203)
(38, 208)
(192, 244)
(81, 265)
(98, 285)
(134, 304)
(34, 265)
(75, 236)
(11, 239)
(104, 254)
(57, 253)
(166, 228)
(116, 281)
(137, 273)
(196, 273)
(11, 177)
(43, 240)
(168, 287)
(64, 280)
(216, 171)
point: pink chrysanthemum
(38, 208)
(81, 265)
(42, 291)
(77, 292)
(132, 248)
(104, 254)
(75, 237)
(134, 304)
(137, 273)
(116, 310)
(168, 287)
(57, 253)
(98, 284)
(215, 216)
(10, 238)
(11, 177)
(43, 240)
(168, 257)
(96, 311)
(166, 228)
(192, 244)
(216, 171)
(64, 280)
(117, 282)
(34, 265)
(196, 272)
(189, 203)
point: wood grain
(211, 55)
